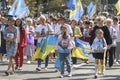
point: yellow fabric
(117, 5)
(77, 52)
(72, 12)
(78, 4)
(77, 32)
(38, 55)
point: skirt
(11, 49)
(29, 50)
(98, 55)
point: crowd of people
(21, 37)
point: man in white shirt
(116, 25)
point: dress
(29, 49)
(12, 47)
(3, 42)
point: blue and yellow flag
(91, 9)
(82, 48)
(47, 45)
(78, 12)
(117, 6)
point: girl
(63, 47)
(98, 47)
(21, 44)
(29, 49)
(86, 31)
(76, 34)
(3, 42)
(10, 35)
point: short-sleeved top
(9, 34)
(43, 29)
(99, 45)
(117, 28)
(56, 28)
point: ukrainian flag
(78, 12)
(47, 45)
(82, 48)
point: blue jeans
(46, 61)
(65, 58)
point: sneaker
(20, 68)
(16, 67)
(12, 73)
(6, 73)
(117, 63)
(38, 69)
(61, 76)
(69, 75)
(46, 68)
(28, 62)
(95, 76)
(102, 74)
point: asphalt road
(81, 72)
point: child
(29, 49)
(98, 47)
(63, 47)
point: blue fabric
(57, 62)
(90, 8)
(72, 4)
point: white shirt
(98, 44)
(69, 29)
(43, 28)
(18, 35)
(57, 29)
(113, 33)
(117, 28)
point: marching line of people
(21, 37)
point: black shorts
(35, 42)
(98, 55)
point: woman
(100, 25)
(3, 42)
(113, 34)
(43, 30)
(10, 35)
(63, 47)
(21, 44)
(76, 34)
(116, 25)
(29, 49)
